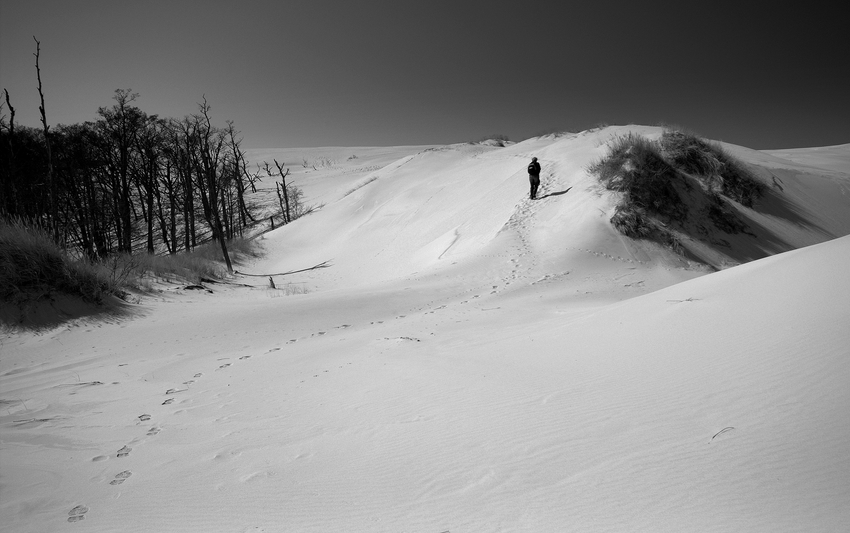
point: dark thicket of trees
(128, 182)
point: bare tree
(282, 190)
(242, 178)
(120, 125)
(8, 205)
(51, 181)
(148, 158)
(210, 144)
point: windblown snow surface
(471, 361)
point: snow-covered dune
(445, 205)
(471, 361)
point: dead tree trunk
(51, 179)
(211, 143)
(10, 194)
(282, 192)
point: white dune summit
(471, 361)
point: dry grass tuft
(681, 180)
(719, 171)
(33, 267)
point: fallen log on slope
(323, 264)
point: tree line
(128, 181)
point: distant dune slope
(823, 157)
(450, 204)
(808, 200)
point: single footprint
(245, 357)
(189, 382)
(173, 391)
(77, 513)
(168, 401)
(199, 374)
(125, 451)
(144, 418)
(225, 365)
(121, 477)
(153, 431)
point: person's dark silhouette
(534, 177)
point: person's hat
(534, 159)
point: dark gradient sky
(396, 72)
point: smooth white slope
(482, 382)
(808, 199)
(828, 157)
(355, 411)
(323, 173)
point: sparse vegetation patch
(719, 171)
(636, 168)
(681, 183)
(497, 139)
(32, 267)
(34, 270)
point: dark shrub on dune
(719, 171)
(678, 185)
(636, 168)
(32, 267)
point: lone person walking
(534, 177)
